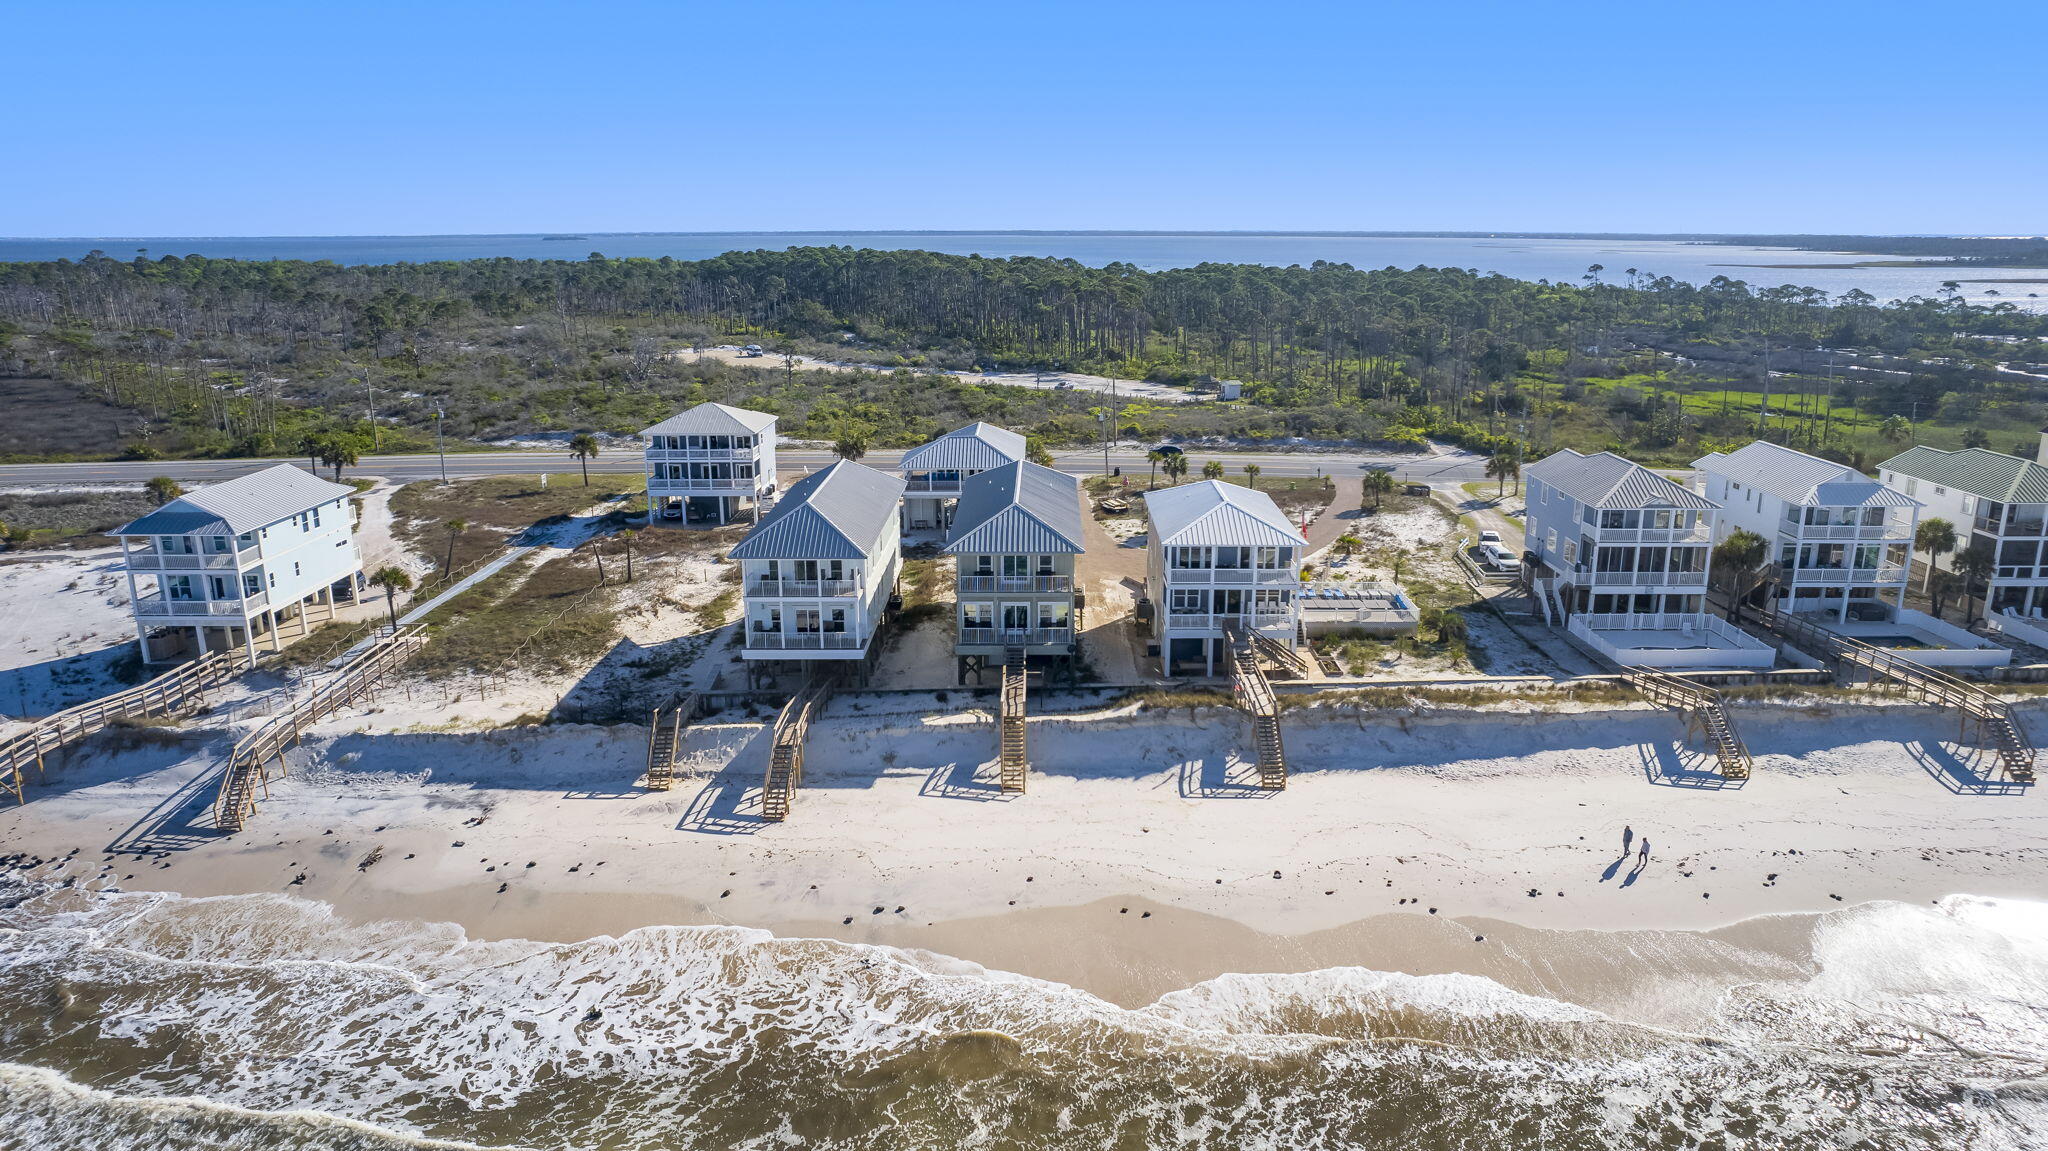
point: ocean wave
(1915, 1027)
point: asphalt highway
(1449, 467)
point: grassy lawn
(67, 519)
(496, 508)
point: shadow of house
(729, 803)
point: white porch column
(249, 639)
(199, 637)
(142, 640)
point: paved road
(1448, 467)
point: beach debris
(502, 887)
(529, 863)
(726, 892)
(848, 919)
(370, 860)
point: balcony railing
(670, 484)
(1242, 577)
(680, 455)
(1808, 576)
(1883, 531)
(805, 640)
(984, 584)
(154, 606)
(1696, 580)
(924, 485)
(2022, 571)
(1697, 533)
(178, 561)
(2011, 529)
(802, 587)
(1200, 621)
(1015, 636)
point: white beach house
(1994, 499)
(708, 462)
(932, 474)
(1621, 553)
(1839, 538)
(1218, 554)
(817, 571)
(1017, 533)
(236, 564)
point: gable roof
(1605, 480)
(256, 500)
(1214, 512)
(1018, 508)
(836, 512)
(1983, 473)
(976, 447)
(713, 420)
(1798, 478)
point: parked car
(1499, 558)
(1415, 489)
(1489, 537)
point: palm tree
(850, 446)
(1175, 467)
(1734, 565)
(626, 537)
(337, 450)
(1503, 464)
(393, 580)
(583, 446)
(1975, 564)
(597, 556)
(162, 489)
(1450, 625)
(455, 530)
(1895, 429)
(1937, 538)
(1251, 476)
(1379, 485)
(1213, 470)
(1154, 457)
(1348, 543)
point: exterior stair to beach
(1255, 698)
(665, 738)
(1284, 658)
(786, 761)
(1012, 765)
(1705, 712)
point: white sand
(1479, 816)
(65, 619)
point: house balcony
(154, 561)
(155, 606)
(1809, 532)
(1678, 583)
(804, 641)
(925, 486)
(1843, 576)
(2021, 572)
(665, 485)
(1232, 577)
(1201, 621)
(1699, 533)
(1015, 636)
(801, 588)
(994, 584)
(700, 455)
(2011, 529)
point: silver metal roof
(713, 420)
(1983, 473)
(1796, 477)
(1605, 480)
(974, 448)
(1212, 512)
(1017, 509)
(836, 512)
(240, 505)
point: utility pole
(441, 443)
(1763, 412)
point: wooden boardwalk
(1255, 698)
(786, 759)
(1706, 715)
(177, 692)
(665, 737)
(248, 769)
(1013, 767)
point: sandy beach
(1405, 841)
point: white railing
(174, 561)
(1810, 576)
(686, 485)
(1015, 636)
(931, 487)
(1241, 577)
(1938, 642)
(156, 605)
(1695, 534)
(802, 587)
(2013, 529)
(1721, 644)
(699, 455)
(2020, 627)
(983, 584)
(1684, 582)
(1201, 621)
(805, 640)
(1886, 531)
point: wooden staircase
(1012, 765)
(248, 773)
(1283, 658)
(786, 760)
(1706, 714)
(179, 691)
(1255, 698)
(1996, 725)
(665, 738)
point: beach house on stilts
(818, 569)
(1220, 558)
(932, 475)
(1016, 533)
(711, 464)
(248, 563)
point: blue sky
(198, 118)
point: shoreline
(1128, 881)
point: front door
(1016, 617)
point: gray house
(934, 473)
(1017, 531)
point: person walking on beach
(1644, 857)
(1627, 834)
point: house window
(984, 565)
(1273, 558)
(808, 621)
(1912, 486)
(295, 569)
(1044, 565)
(1233, 558)
(1941, 491)
(179, 588)
(836, 621)
(976, 615)
(1052, 613)
(1016, 567)
(252, 584)
(1191, 558)
(218, 545)
(770, 619)
(316, 517)
(1188, 601)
